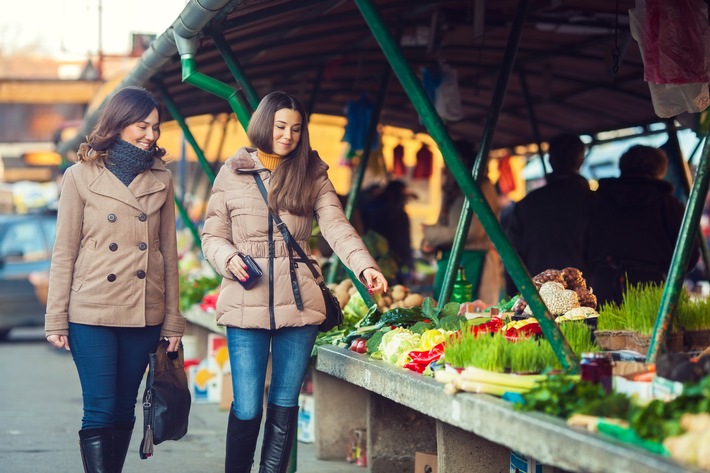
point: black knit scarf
(126, 161)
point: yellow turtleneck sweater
(270, 161)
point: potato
(346, 283)
(413, 300)
(343, 298)
(398, 294)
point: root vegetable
(413, 300)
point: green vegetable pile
(562, 396)
(193, 289)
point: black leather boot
(121, 440)
(279, 433)
(241, 443)
(95, 447)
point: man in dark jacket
(547, 227)
(634, 225)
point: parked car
(26, 242)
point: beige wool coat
(237, 221)
(115, 256)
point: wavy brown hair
(297, 170)
(127, 106)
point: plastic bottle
(462, 290)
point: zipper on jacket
(272, 254)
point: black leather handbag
(166, 399)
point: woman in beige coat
(113, 283)
(282, 311)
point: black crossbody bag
(333, 312)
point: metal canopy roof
(323, 52)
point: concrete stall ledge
(471, 432)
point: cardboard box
(425, 462)
(519, 463)
(306, 419)
(225, 400)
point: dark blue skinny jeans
(248, 356)
(111, 362)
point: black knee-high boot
(241, 443)
(96, 447)
(279, 433)
(121, 440)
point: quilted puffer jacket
(237, 221)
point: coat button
(142, 217)
(142, 246)
(111, 277)
(111, 218)
(113, 247)
(140, 274)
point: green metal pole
(481, 162)
(436, 129)
(236, 69)
(356, 183)
(172, 108)
(533, 119)
(216, 87)
(686, 237)
(188, 223)
(684, 181)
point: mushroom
(557, 299)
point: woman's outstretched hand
(376, 282)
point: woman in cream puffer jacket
(266, 317)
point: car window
(23, 242)
(50, 231)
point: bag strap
(288, 238)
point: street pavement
(40, 414)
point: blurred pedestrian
(480, 260)
(547, 226)
(113, 284)
(283, 310)
(634, 226)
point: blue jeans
(111, 362)
(248, 356)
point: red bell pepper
(526, 331)
(422, 359)
(492, 326)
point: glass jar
(595, 367)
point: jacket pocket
(80, 266)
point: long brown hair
(297, 171)
(128, 106)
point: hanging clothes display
(448, 95)
(671, 38)
(506, 179)
(398, 169)
(358, 114)
(425, 158)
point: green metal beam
(684, 182)
(172, 108)
(679, 263)
(436, 129)
(209, 84)
(479, 166)
(359, 175)
(188, 223)
(236, 69)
